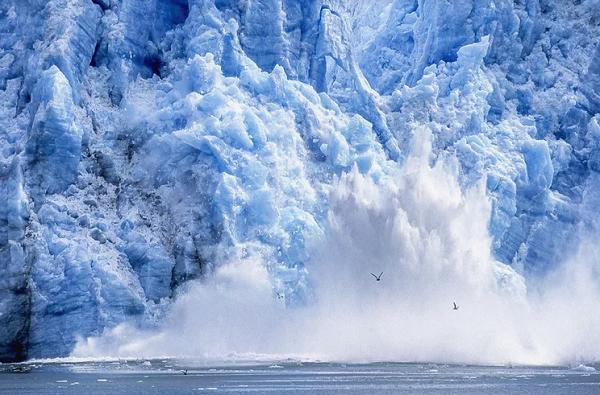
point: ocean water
(167, 377)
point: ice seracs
(145, 143)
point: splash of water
(430, 239)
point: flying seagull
(184, 372)
(455, 306)
(377, 278)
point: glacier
(146, 144)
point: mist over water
(430, 239)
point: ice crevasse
(145, 143)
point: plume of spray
(430, 239)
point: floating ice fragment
(584, 368)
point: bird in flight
(455, 306)
(377, 278)
(279, 296)
(184, 372)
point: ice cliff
(145, 142)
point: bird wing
(380, 274)
(373, 275)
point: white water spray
(431, 241)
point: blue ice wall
(144, 143)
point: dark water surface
(165, 377)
